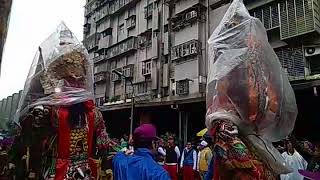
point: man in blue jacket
(141, 165)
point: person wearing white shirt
(295, 161)
(172, 154)
(161, 153)
(188, 162)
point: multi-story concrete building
(166, 62)
(293, 31)
(161, 46)
(8, 108)
(5, 6)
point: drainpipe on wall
(171, 5)
(160, 48)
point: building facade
(161, 47)
(5, 6)
(8, 108)
(133, 37)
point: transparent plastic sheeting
(246, 84)
(60, 74)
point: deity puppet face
(67, 71)
(40, 114)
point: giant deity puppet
(61, 133)
(250, 103)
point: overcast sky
(31, 22)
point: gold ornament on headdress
(69, 68)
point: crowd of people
(156, 158)
(188, 163)
(147, 156)
(195, 161)
(302, 157)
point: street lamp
(120, 74)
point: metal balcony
(187, 49)
(117, 6)
(298, 17)
(98, 58)
(99, 78)
(122, 48)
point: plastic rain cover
(60, 74)
(246, 84)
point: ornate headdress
(61, 73)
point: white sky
(31, 22)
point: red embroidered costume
(62, 133)
(250, 102)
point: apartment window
(146, 67)
(96, 69)
(121, 3)
(111, 7)
(107, 32)
(113, 64)
(142, 88)
(292, 61)
(186, 49)
(121, 29)
(131, 22)
(183, 87)
(148, 10)
(128, 71)
(166, 59)
(165, 91)
(166, 28)
(100, 101)
(131, 12)
(98, 36)
(145, 40)
(191, 15)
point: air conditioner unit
(312, 51)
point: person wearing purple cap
(141, 165)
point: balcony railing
(102, 13)
(91, 42)
(187, 49)
(128, 70)
(100, 68)
(148, 11)
(142, 91)
(268, 15)
(98, 58)
(298, 17)
(121, 48)
(131, 22)
(99, 78)
(117, 6)
(292, 61)
(188, 17)
(115, 77)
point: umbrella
(202, 132)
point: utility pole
(120, 74)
